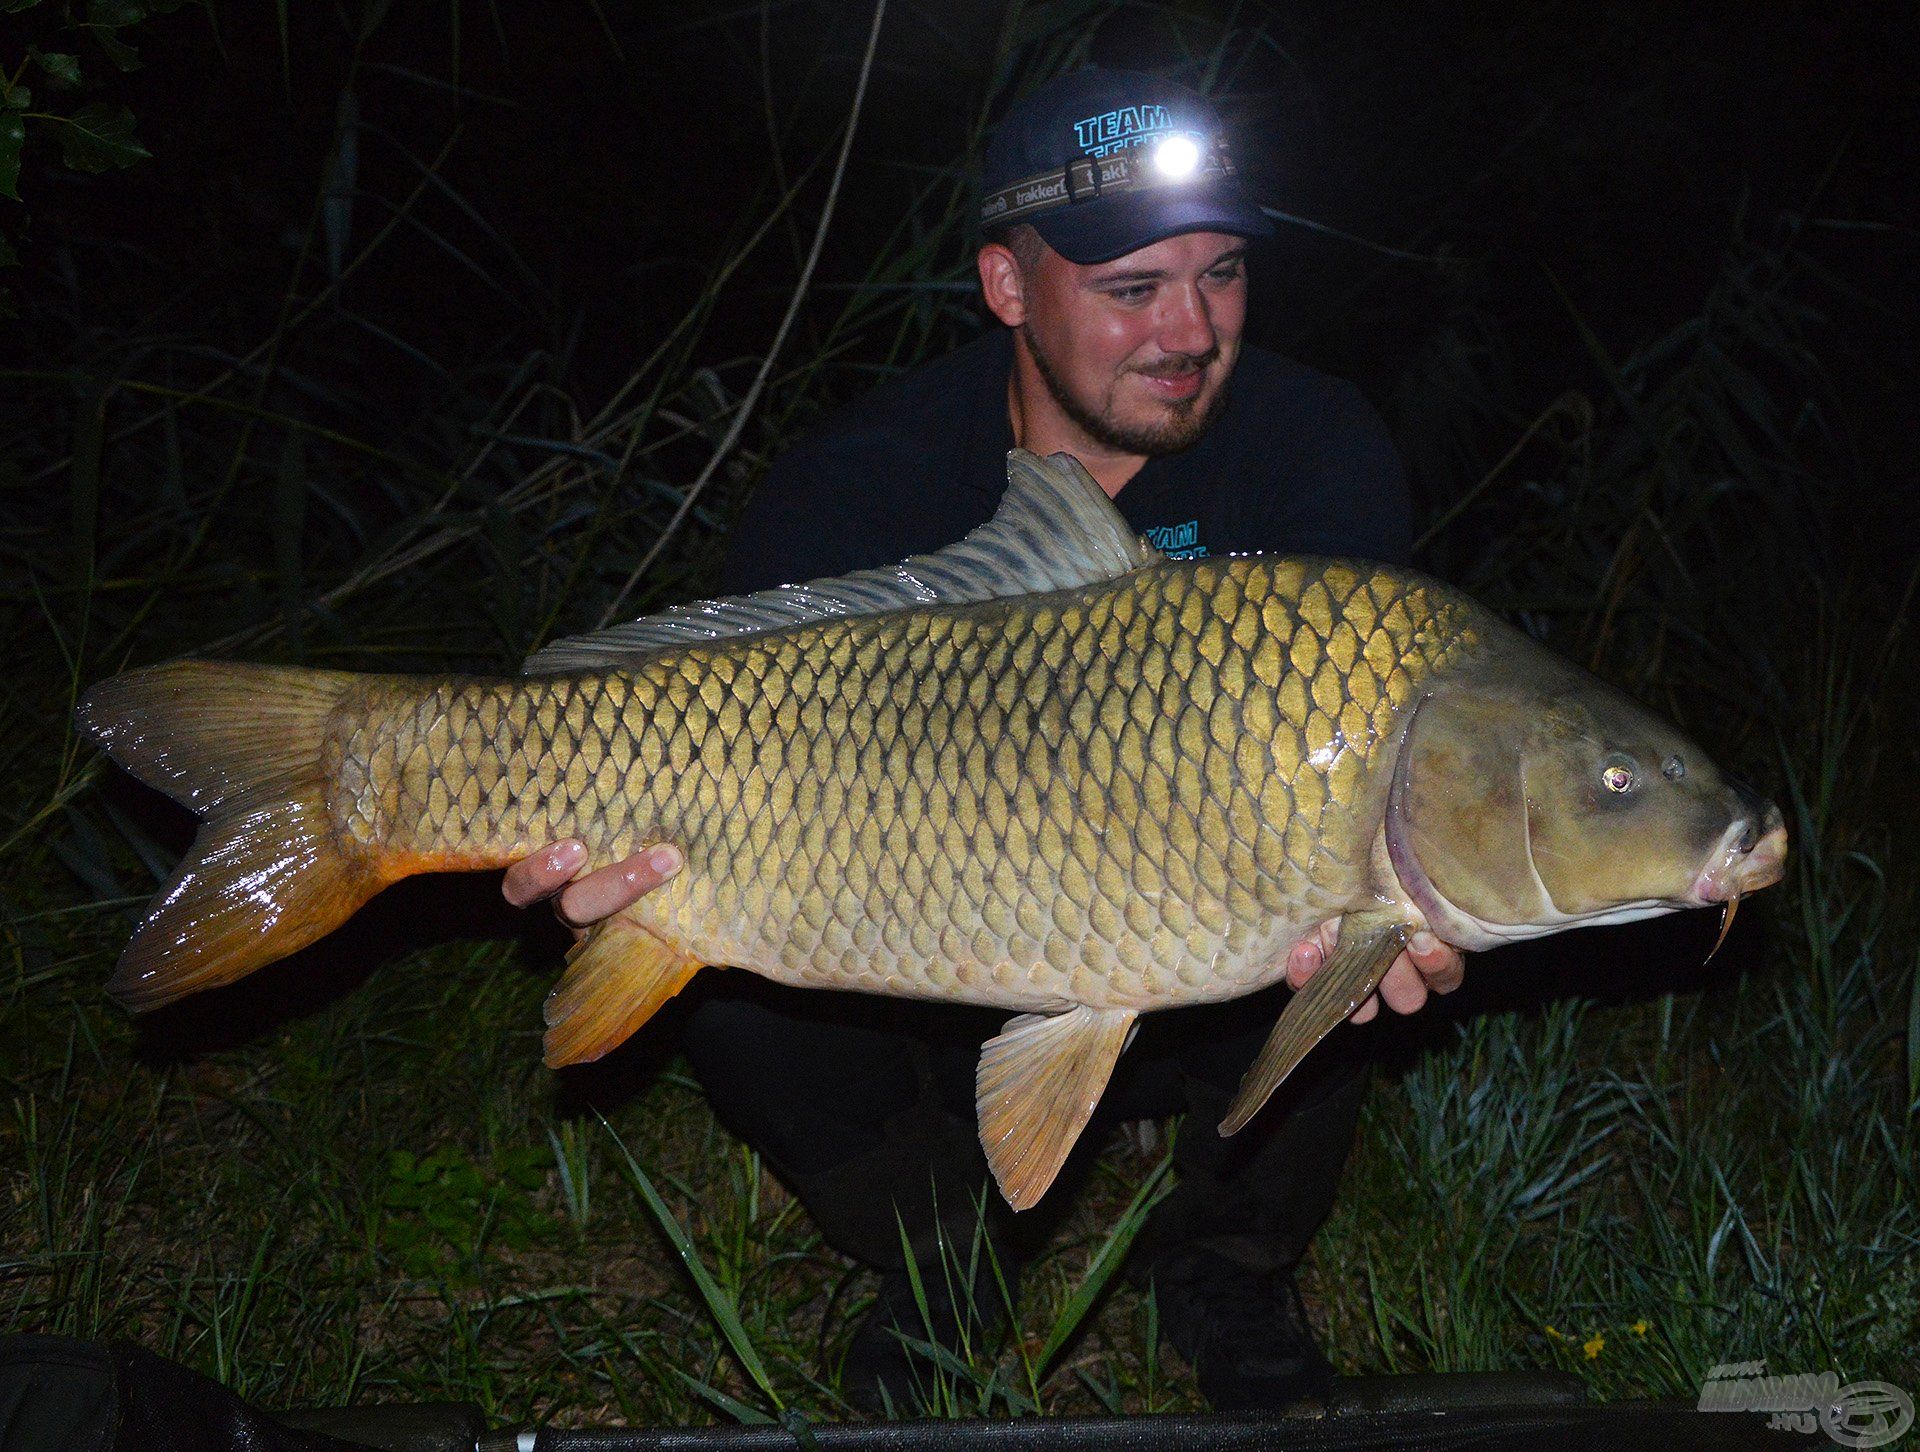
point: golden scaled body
(1135, 794)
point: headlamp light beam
(1176, 157)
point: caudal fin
(267, 874)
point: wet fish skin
(1128, 795)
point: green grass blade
(89, 427)
(1913, 1038)
(732, 1406)
(289, 530)
(1113, 1250)
(725, 1314)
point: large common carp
(1045, 769)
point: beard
(1183, 424)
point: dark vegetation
(429, 331)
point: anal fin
(1038, 1082)
(617, 977)
(1369, 942)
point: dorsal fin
(1055, 529)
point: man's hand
(1426, 965)
(549, 872)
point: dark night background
(405, 345)
(1539, 159)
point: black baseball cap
(1103, 163)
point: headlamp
(1171, 159)
(1175, 157)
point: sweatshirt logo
(1178, 541)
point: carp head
(1529, 797)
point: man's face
(1138, 351)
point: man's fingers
(1440, 964)
(1305, 957)
(1368, 1010)
(543, 873)
(602, 893)
(1303, 961)
(1403, 988)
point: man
(1115, 263)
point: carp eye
(1617, 776)
(1674, 769)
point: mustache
(1176, 365)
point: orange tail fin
(267, 874)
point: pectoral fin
(1368, 945)
(617, 977)
(1036, 1088)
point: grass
(350, 1179)
(381, 1201)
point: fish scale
(1125, 795)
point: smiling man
(1132, 356)
(1114, 259)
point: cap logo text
(1110, 131)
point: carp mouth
(1752, 854)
